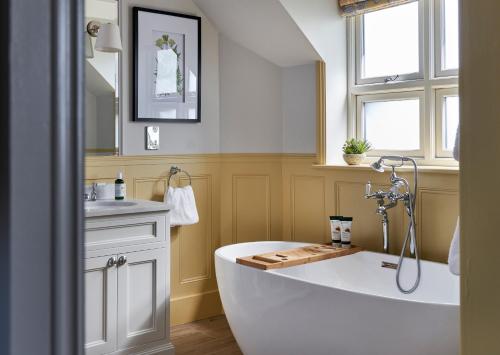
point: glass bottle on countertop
(120, 187)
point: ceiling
(262, 26)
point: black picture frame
(136, 64)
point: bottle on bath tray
(120, 187)
(336, 229)
(345, 236)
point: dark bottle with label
(120, 188)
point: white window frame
(360, 119)
(429, 84)
(439, 43)
(441, 94)
(359, 24)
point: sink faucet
(93, 194)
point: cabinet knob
(111, 261)
(122, 260)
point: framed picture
(167, 66)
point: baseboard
(195, 307)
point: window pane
(450, 121)
(450, 50)
(393, 125)
(391, 41)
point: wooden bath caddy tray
(297, 256)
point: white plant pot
(354, 159)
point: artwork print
(167, 66)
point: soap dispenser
(120, 187)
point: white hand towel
(454, 254)
(183, 206)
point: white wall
(299, 109)
(105, 121)
(90, 120)
(265, 108)
(250, 101)
(175, 138)
(249, 105)
(99, 121)
(326, 30)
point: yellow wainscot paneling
(250, 197)
(251, 208)
(307, 210)
(194, 290)
(195, 241)
(152, 189)
(436, 229)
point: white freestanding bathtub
(344, 306)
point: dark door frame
(41, 177)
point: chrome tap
(399, 191)
(381, 197)
(392, 196)
(93, 193)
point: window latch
(391, 78)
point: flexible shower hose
(410, 237)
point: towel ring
(175, 170)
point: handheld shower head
(377, 166)
(399, 161)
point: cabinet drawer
(113, 232)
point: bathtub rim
(219, 251)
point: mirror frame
(116, 151)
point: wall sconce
(108, 36)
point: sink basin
(94, 205)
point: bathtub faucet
(387, 200)
(400, 190)
(382, 208)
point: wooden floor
(208, 337)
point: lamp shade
(108, 38)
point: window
(384, 51)
(403, 80)
(446, 121)
(447, 44)
(389, 122)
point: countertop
(99, 209)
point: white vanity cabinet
(100, 306)
(127, 282)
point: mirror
(101, 77)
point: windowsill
(436, 169)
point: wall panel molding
(437, 214)
(195, 236)
(307, 209)
(251, 208)
(152, 188)
(247, 197)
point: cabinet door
(100, 305)
(142, 297)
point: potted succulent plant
(355, 151)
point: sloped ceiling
(263, 26)
(95, 82)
